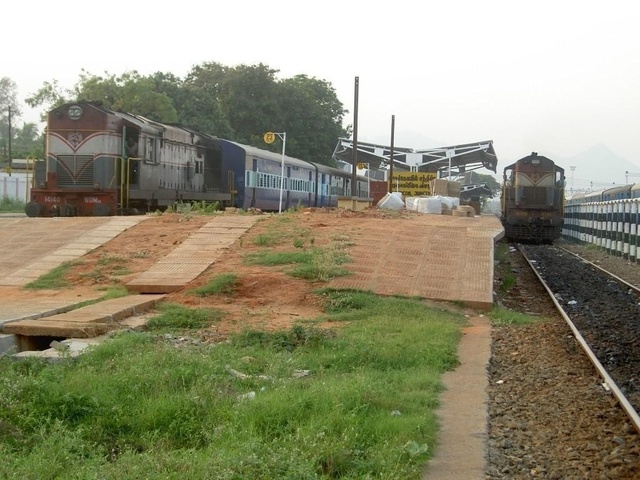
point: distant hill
(597, 168)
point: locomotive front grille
(75, 171)
(535, 196)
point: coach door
(213, 170)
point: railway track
(603, 313)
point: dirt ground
(265, 298)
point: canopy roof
(449, 161)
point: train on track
(103, 162)
(618, 192)
(532, 203)
(607, 218)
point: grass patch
(114, 291)
(269, 258)
(189, 209)
(502, 316)
(354, 402)
(177, 317)
(316, 264)
(11, 205)
(224, 284)
(502, 252)
(281, 231)
(508, 280)
(53, 279)
(266, 239)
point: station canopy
(451, 161)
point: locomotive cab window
(151, 149)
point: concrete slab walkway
(463, 418)
(192, 257)
(35, 246)
(84, 322)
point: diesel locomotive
(533, 200)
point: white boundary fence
(16, 186)
(612, 226)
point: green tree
(49, 96)
(199, 104)
(248, 97)
(9, 98)
(312, 117)
(26, 141)
(8, 111)
(130, 92)
(238, 103)
(491, 182)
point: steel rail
(602, 269)
(609, 382)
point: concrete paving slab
(462, 415)
(85, 322)
(66, 238)
(192, 257)
(441, 258)
(47, 303)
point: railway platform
(437, 257)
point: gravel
(549, 415)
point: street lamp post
(361, 166)
(368, 184)
(269, 137)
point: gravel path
(549, 416)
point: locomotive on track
(103, 162)
(533, 200)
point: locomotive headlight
(535, 161)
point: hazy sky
(556, 77)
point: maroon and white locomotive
(533, 200)
(102, 162)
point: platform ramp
(84, 322)
(441, 257)
(35, 246)
(199, 251)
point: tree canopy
(26, 141)
(238, 103)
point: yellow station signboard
(412, 184)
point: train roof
(168, 130)
(258, 152)
(540, 157)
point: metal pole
(355, 143)
(368, 184)
(393, 127)
(283, 136)
(10, 135)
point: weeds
(174, 316)
(53, 279)
(502, 316)
(189, 209)
(316, 264)
(224, 284)
(307, 402)
(11, 205)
